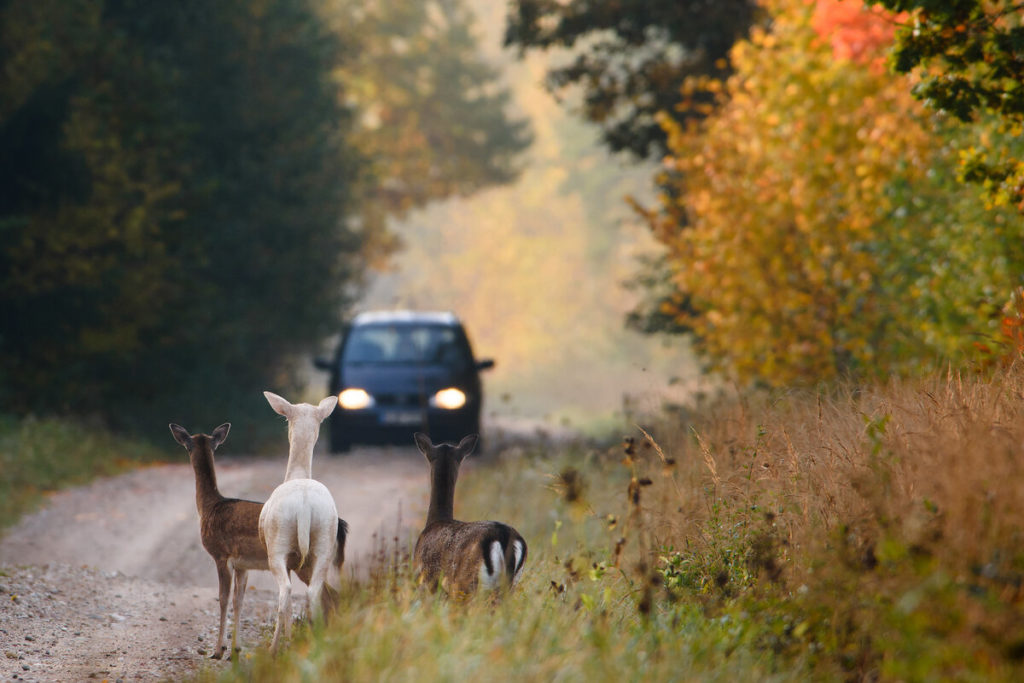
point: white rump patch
(489, 580)
(517, 551)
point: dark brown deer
(462, 556)
(229, 529)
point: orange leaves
(782, 189)
(1011, 326)
(855, 32)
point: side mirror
(485, 364)
(323, 364)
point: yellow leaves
(782, 191)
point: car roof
(406, 317)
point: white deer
(229, 529)
(300, 516)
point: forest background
(821, 195)
(195, 198)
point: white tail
(302, 530)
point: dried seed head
(572, 574)
(570, 484)
(629, 450)
(619, 545)
(646, 602)
(633, 492)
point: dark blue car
(400, 372)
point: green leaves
(180, 183)
(969, 56)
(190, 193)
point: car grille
(398, 400)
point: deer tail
(302, 535)
(515, 558)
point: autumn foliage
(809, 226)
(969, 56)
(855, 32)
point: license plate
(401, 417)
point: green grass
(42, 455)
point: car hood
(410, 379)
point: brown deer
(229, 529)
(462, 556)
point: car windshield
(403, 344)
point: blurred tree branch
(630, 59)
(969, 55)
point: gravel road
(110, 580)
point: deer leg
(241, 578)
(224, 582)
(329, 595)
(329, 599)
(284, 601)
(316, 587)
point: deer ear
(180, 435)
(326, 407)
(280, 406)
(219, 434)
(423, 443)
(467, 445)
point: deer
(300, 517)
(462, 557)
(303, 430)
(229, 530)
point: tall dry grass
(855, 534)
(937, 465)
(888, 519)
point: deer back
(462, 556)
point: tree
(189, 192)
(176, 229)
(969, 55)
(434, 117)
(809, 225)
(631, 58)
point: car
(396, 373)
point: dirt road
(110, 581)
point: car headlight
(448, 399)
(355, 399)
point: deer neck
(442, 491)
(207, 493)
(300, 456)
